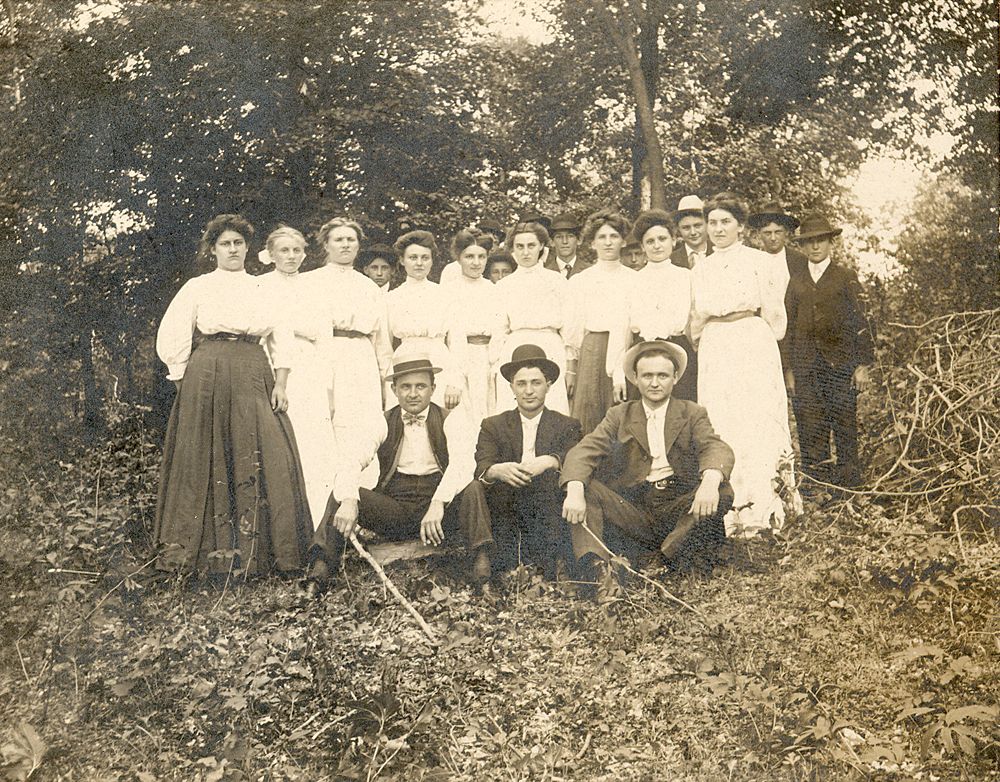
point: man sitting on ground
(668, 487)
(518, 458)
(424, 461)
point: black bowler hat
(411, 364)
(529, 356)
(771, 212)
(565, 222)
(815, 226)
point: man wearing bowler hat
(774, 229)
(518, 458)
(424, 460)
(690, 222)
(565, 241)
(667, 484)
(826, 352)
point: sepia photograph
(515, 390)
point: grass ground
(861, 644)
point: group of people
(543, 406)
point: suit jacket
(679, 257)
(825, 318)
(581, 264)
(620, 446)
(500, 438)
(795, 259)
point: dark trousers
(522, 524)
(825, 402)
(644, 515)
(394, 512)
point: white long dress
(308, 386)
(473, 314)
(532, 311)
(740, 381)
(419, 317)
(355, 352)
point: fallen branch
(669, 595)
(428, 630)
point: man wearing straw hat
(668, 471)
(424, 460)
(826, 353)
(689, 219)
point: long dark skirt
(594, 393)
(231, 491)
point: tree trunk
(649, 59)
(653, 157)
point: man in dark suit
(667, 471)
(518, 458)
(774, 229)
(826, 352)
(689, 219)
(565, 233)
(424, 460)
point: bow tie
(412, 419)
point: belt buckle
(663, 483)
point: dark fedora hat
(771, 212)
(492, 225)
(565, 222)
(529, 356)
(536, 216)
(633, 354)
(816, 225)
(407, 365)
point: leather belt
(227, 336)
(349, 333)
(670, 482)
(733, 316)
(478, 339)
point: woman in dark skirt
(231, 495)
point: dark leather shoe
(317, 578)
(482, 567)
(673, 542)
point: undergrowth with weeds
(852, 645)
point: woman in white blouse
(659, 304)
(419, 316)
(231, 495)
(737, 318)
(597, 297)
(531, 311)
(473, 304)
(309, 379)
(354, 345)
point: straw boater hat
(407, 365)
(529, 355)
(816, 225)
(636, 352)
(689, 205)
(771, 212)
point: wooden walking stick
(428, 630)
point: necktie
(567, 269)
(409, 419)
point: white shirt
(530, 298)
(596, 298)
(693, 255)
(659, 306)
(816, 269)
(655, 420)
(529, 433)
(565, 267)
(737, 278)
(415, 454)
(224, 301)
